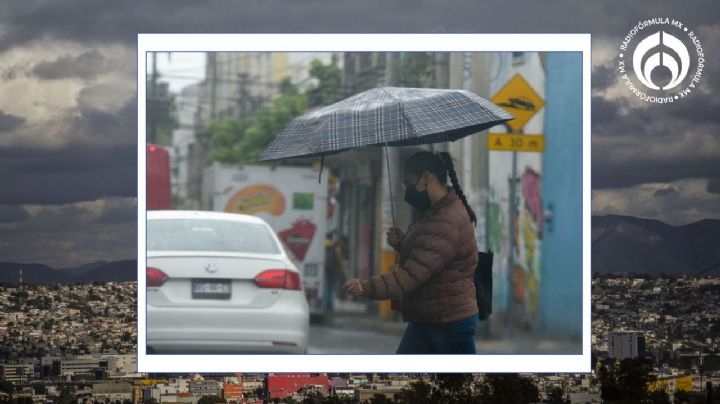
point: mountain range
(101, 271)
(624, 244)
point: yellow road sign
(510, 142)
(519, 99)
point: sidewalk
(522, 342)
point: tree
(626, 381)
(311, 397)
(659, 397)
(418, 392)
(329, 77)
(510, 388)
(335, 400)
(453, 387)
(7, 387)
(378, 398)
(684, 397)
(211, 399)
(67, 394)
(415, 69)
(557, 396)
(242, 140)
(39, 388)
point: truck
(157, 186)
(291, 200)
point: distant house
(112, 391)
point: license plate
(204, 289)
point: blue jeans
(457, 337)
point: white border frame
(542, 363)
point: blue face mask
(420, 200)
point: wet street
(366, 334)
(330, 339)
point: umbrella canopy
(386, 116)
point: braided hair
(441, 165)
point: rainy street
(328, 339)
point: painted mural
(523, 280)
(532, 220)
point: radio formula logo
(661, 60)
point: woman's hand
(394, 235)
(354, 288)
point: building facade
(626, 344)
(184, 144)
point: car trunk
(191, 284)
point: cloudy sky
(68, 105)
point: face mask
(418, 199)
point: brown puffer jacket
(434, 276)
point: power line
(228, 61)
(218, 79)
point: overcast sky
(68, 105)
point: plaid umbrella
(386, 116)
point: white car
(221, 283)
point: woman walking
(433, 280)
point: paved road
(367, 335)
(330, 339)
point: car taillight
(279, 279)
(155, 277)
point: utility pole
(513, 180)
(442, 80)
(212, 58)
(244, 94)
(442, 69)
(152, 104)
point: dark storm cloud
(118, 127)
(56, 218)
(603, 76)
(654, 144)
(90, 21)
(605, 110)
(70, 235)
(713, 186)
(118, 211)
(641, 171)
(13, 214)
(87, 65)
(698, 108)
(10, 122)
(75, 172)
(665, 192)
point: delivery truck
(291, 200)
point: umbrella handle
(322, 164)
(392, 201)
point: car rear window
(209, 235)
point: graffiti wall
(515, 235)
